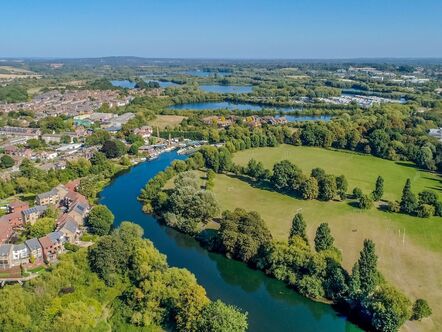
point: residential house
(15, 219)
(70, 230)
(79, 212)
(51, 138)
(17, 206)
(20, 254)
(32, 214)
(145, 132)
(53, 196)
(5, 256)
(72, 185)
(35, 249)
(5, 230)
(52, 245)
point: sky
(251, 29)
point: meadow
(409, 248)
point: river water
(271, 306)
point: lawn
(163, 121)
(410, 261)
(359, 169)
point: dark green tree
(6, 161)
(378, 191)
(100, 220)
(367, 263)
(298, 227)
(323, 238)
(408, 202)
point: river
(271, 306)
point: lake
(123, 84)
(271, 306)
(228, 105)
(218, 88)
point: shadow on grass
(263, 185)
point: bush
(394, 206)
(421, 309)
(425, 211)
(357, 193)
(310, 287)
(365, 202)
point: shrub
(421, 309)
(425, 211)
(393, 206)
(365, 202)
(357, 192)
(310, 287)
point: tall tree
(378, 191)
(323, 239)
(298, 227)
(408, 201)
(368, 274)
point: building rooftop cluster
(108, 121)
(363, 101)
(73, 209)
(69, 103)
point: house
(5, 230)
(70, 230)
(32, 214)
(72, 185)
(17, 206)
(5, 256)
(35, 249)
(72, 198)
(15, 219)
(79, 212)
(51, 138)
(52, 245)
(145, 132)
(20, 254)
(53, 196)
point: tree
(310, 286)
(367, 267)
(285, 175)
(243, 235)
(408, 201)
(298, 227)
(357, 192)
(427, 197)
(327, 188)
(421, 309)
(6, 161)
(388, 308)
(341, 186)
(220, 317)
(309, 189)
(365, 202)
(425, 210)
(379, 189)
(42, 227)
(113, 148)
(323, 239)
(100, 220)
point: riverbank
(271, 305)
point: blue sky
(221, 28)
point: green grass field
(360, 170)
(409, 248)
